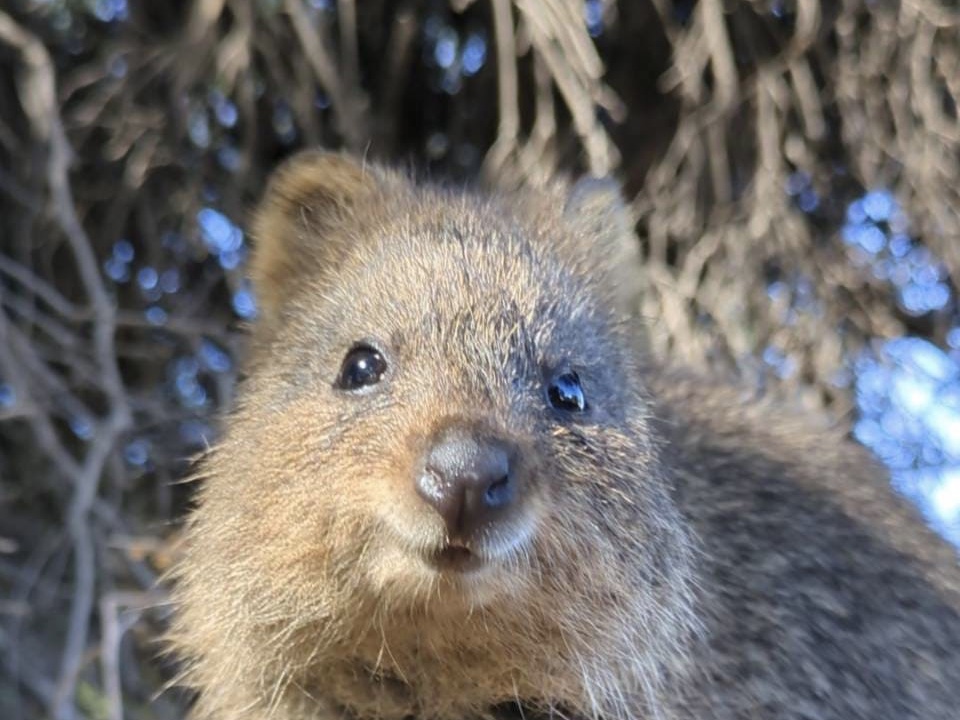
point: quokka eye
(566, 393)
(362, 366)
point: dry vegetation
(132, 137)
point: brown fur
(686, 553)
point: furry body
(678, 551)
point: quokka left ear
(302, 223)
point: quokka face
(441, 454)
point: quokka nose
(470, 482)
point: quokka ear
(603, 229)
(302, 223)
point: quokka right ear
(300, 223)
(603, 229)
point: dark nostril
(499, 493)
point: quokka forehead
(422, 269)
(327, 220)
(476, 318)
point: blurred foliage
(793, 166)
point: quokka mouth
(456, 559)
